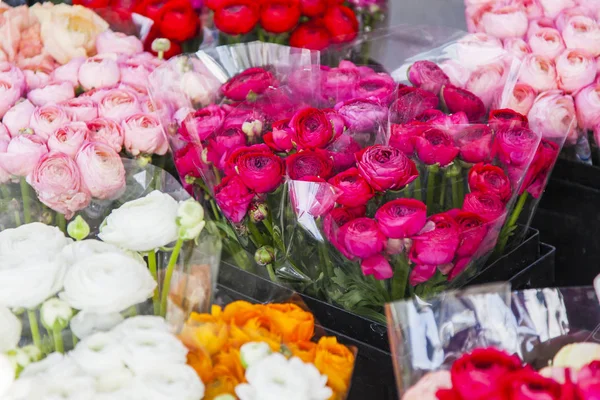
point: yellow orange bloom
(240, 312)
(221, 385)
(305, 350)
(229, 363)
(259, 329)
(202, 364)
(205, 332)
(292, 322)
(336, 361)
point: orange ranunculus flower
(229, 363)
(336, 361)
(216, 311)
(239, 312)
(221, 385)
(292, 322)
(205, 332)
(304, 350)
(202, 364)
(260, 329)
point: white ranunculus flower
(115, 384)
(21, 389)
(98, 354)
(86, 324)
(7, 375)
(142, 324)
(31, 283)
(152, 348)
(55, 312)
(67, 388)
(10, 330)
(107, 283)
(190, 218)
(55, 366)
(78, 251)
(252, 352)
(275, 377)
(143, 224)
(169, 382)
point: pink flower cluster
(559, 44)
(67, 146)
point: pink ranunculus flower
(51, 94)
(547, 42)
(134, 74)
(421, 273)
(436, 246)
(553, 116)
(69, 138)
(479, 49)
(47, 119)
(143, 134)
(554, 7)
(81, 109)
(537, 24)
(99, 72)
(505, 21)
(533, 8)
(68, 72)
(517, 47)
(565, 15)
(36, 79)
(102, 171)
(401, 218)
(22, 154)
(9, 95)
(117, 42)
(485, 81)
(12, 74)
(582, 32)
(362, 238)
(587, 103)
(521, 99)
(575, 69)
(106, 131)
(378, 266)
(57, 182)
(17, 118)
(539, 72)
(118, 104)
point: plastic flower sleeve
(430, 335)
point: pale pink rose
(53, 93)
(117, 42)
(517, 47)
(22, 154)
(148, 106)
(106, 131)
(537, 24)
(102, 171)
(582, 33)
(539, 72)
(118, 104)
(134, 74)
(547, 42)
(140, 91)
(47, 119)
(533, 8)
(68, 72)
(12, 74)
(35, 79)
(565, 15)
(3, 56)
(99, 72)
(485, 81)
(473, 14)
(520, 100)
(69, 138)
(143, 134)
(4, 135)
(9, 95)
(149, 59)
(17, 118)
(479, 49)
(575, 68)
(587, 103)
(57, 182)
(95, 94)
(505, 21)
(427, 387)
(81, 109)
(553, 7)
(553, 116)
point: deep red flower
(311, 36)
(342, 24)
(279, 16)
(178, 21)
(92, 3)
(155, 34)
(237, 17)
(313, 8)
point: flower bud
(161, 44)
(143, 160)
(251, 353)
(32, 352)
(78, 229)
(190, 179)
(26, 131)
(18, 358)
(265, 255)
(56, 313)
(252, 129)
(226, 396)
(394, 246)
(190, 219)
(453, 170)
(258, 212)
(46, 217)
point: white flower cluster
(138, 359)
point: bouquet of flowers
(256, 351)
(488, 342)
(340, 181)
(558, 42)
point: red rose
(233, 198)
(434, 146)
(313, 8)
(92, 3)
(489, 178)
(378, 266)
(223, 144)
(309, 163)
(401, 218)
(411, 102)
(280, 137)
(439, 245)
(456, 99)
(487, 205)
(178, 21)
(260, 169)
(256, 80)
(427, 75)
(311, 128)
(507, 118)
(527, 384)
(539, 170)
(475, 143)
(386, 168)
(354, 189)
(310, 35)
(237, 17)
(312, 196)
(342, 150)
(279, 16)
(362, 238)
(473, 230)
(515, 146)
(342, 24)
(402, 136)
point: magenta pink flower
(378, 266)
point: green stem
(256, 236)
(35, 329)
(74, 339)
(455, 199)
(17, 218)
(215, 210)
(154, 272)
(417, 193)
(168, 276)
(433, 169)
(61, 222)
(401, 271)
(157, 184)
(58, 340)
(324, 258)
(271, 272)
(512, 221)
(443, 193)
(5, 192)
(26, 200)
(217, 175)
(278, 242)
